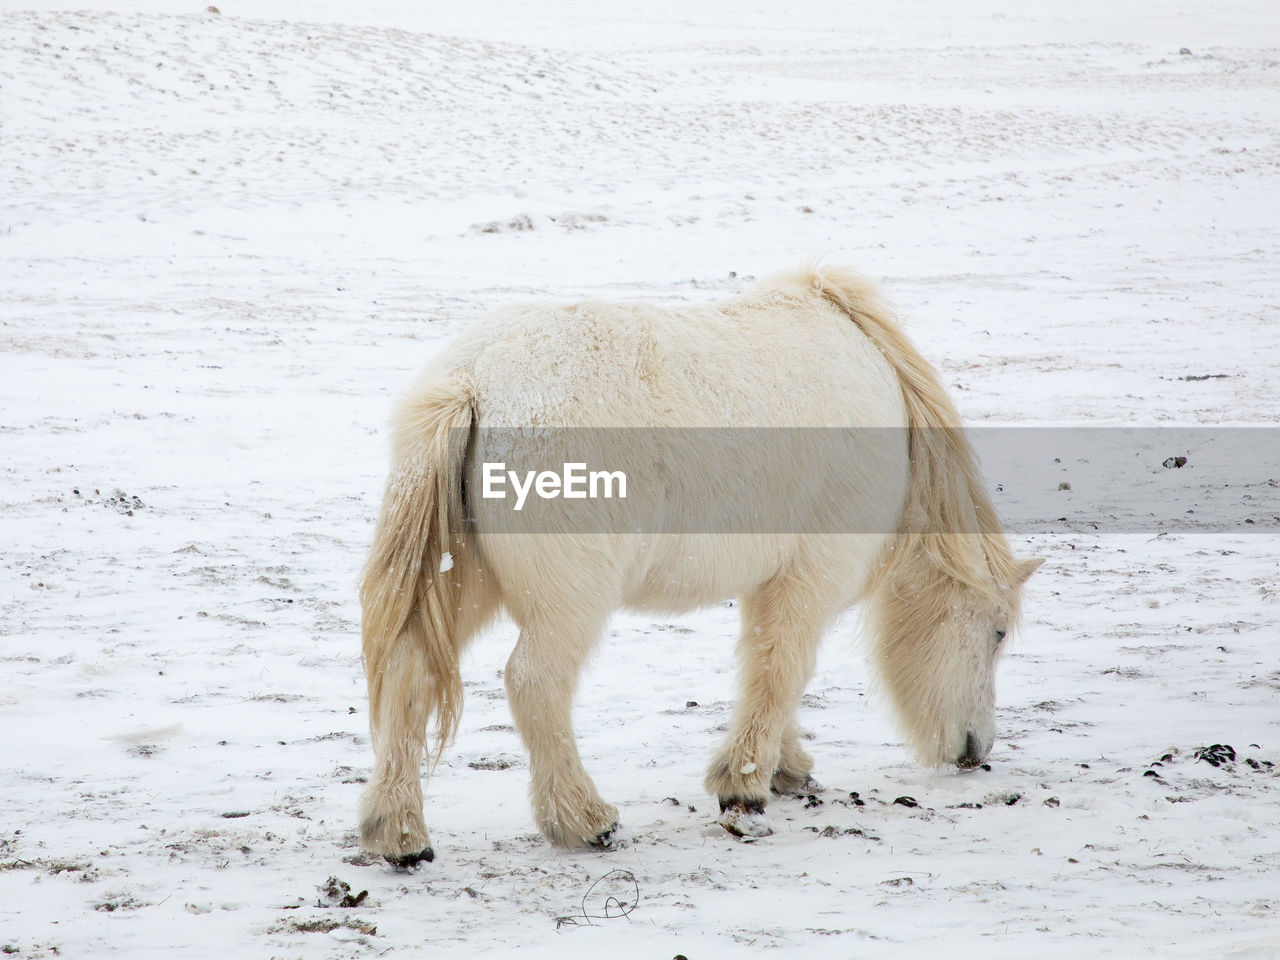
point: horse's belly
(681, 572)
(687, 572)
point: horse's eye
(999, 637)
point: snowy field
(227, 240)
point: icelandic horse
(894, 517)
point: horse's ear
(1027, 567)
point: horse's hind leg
(782, 623)
(400, 697)
(391, 821)
(541, 677)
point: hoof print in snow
(832, 832)
(119, 501)
(500, 762)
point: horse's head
(940, 638)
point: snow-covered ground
(228, 239)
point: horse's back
(774, 358)
(714, 391)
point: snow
(227, 241)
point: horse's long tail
(418, 570)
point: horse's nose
(975, 751)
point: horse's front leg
(782, 623)
(541, 678)
(792, 776)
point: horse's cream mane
(946, 496)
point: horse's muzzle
(975, 751)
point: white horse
(898, 520)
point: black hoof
(741, 805)
(605, 838)
(411, 860)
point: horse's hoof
(795, 786)
(744, 818)
(411, 860)
(606, 839)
